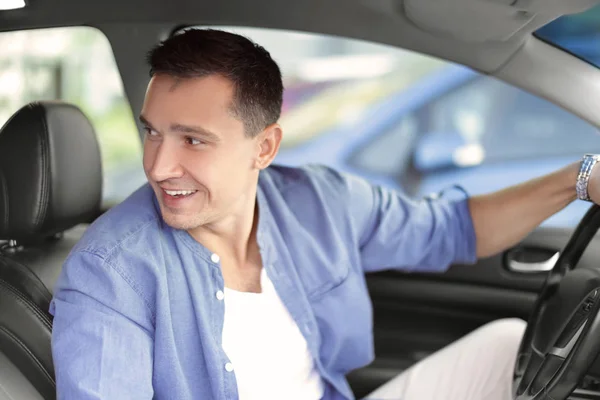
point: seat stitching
(45, 150)
(43, 290)
(27, 303)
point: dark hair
(258, 89)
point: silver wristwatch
(585, 171)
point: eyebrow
(189, 129)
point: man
(226, 277)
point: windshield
(578, 34)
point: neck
(233, 235)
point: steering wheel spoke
(527, 384)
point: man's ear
(268, 142)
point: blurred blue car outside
(454, 127)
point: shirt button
(215, 258)
(220, 295)
(229, 367)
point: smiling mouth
(179, 193)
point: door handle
(533, 267)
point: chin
(182, 222)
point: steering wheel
(562, 338)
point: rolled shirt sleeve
(396, 232)
(102, 334)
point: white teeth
(179, 192)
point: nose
(166, 163)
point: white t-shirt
(270, 356)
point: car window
(480, 133)
(509, 123)
(75, 65)
(497, 135)
(506, 123)
(389, 153)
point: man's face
(197, 158)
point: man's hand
(502, 219)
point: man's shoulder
(312, 189)
(115, 252)
(136, 216)
(308, 178)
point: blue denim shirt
(136, 310)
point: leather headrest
(50, 171)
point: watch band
(585, 170)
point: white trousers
(478, 366)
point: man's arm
(391, 231)
(418, 235)
(102, 333)
(502, 219)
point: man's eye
(150, 132)
(193, 141)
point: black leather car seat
(50, 184)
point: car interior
(51, 183)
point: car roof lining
(507, 49)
